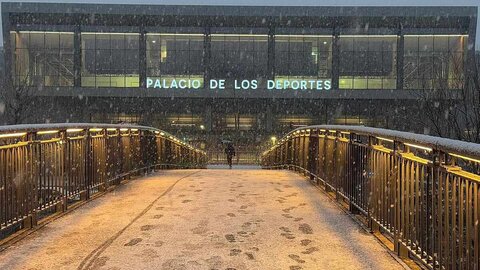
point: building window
(183, 122)
(115, 118)
(110, 60)
(303, 57)
(285, 123)
(42, 58)
(359, 120)
(434, 61)
(368, 62)
(175, 56)
(239, 56)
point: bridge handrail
(443, 144)
(422, 192)
(45, 168)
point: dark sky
(292, 3)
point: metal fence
(422, 192)
(46, 168)
(240, 158)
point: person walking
(230, 152)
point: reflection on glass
(368, 62)
(239, 56)
(434, 61)
(110, 60)
(303, 57)
(175, 56)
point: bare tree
(18, 100)
(452, 107)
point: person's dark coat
(230, 150)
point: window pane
(111, 57)
(239, 56)
(372, 60)
(171, 56)
(40, 60)
(433, 64)
(302, 56)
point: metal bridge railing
(422, 192)
(45, 168)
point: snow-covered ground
(204, 219)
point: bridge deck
(204, 219)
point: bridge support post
(373, 225)
(371, 222)
(328, 188)
(101, 187)
(61, 205)
(401, 249)
(30, 221)
(88, 166)
(353, 209)
(350, 173)
(83, 195)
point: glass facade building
(45, 58)
(366, 49)
(98, 63)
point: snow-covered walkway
(204, 219)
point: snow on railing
(437, 143)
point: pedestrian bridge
(89, 196)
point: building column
(271, 53)
(471, 65)
(7, 49)
(206, 57)
(208, 118)
(142, 50)
(77, 57)
(335, 59)
(9, 67)
(268, 118)
(400, 56)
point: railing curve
(421, 191)
(45, 168)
